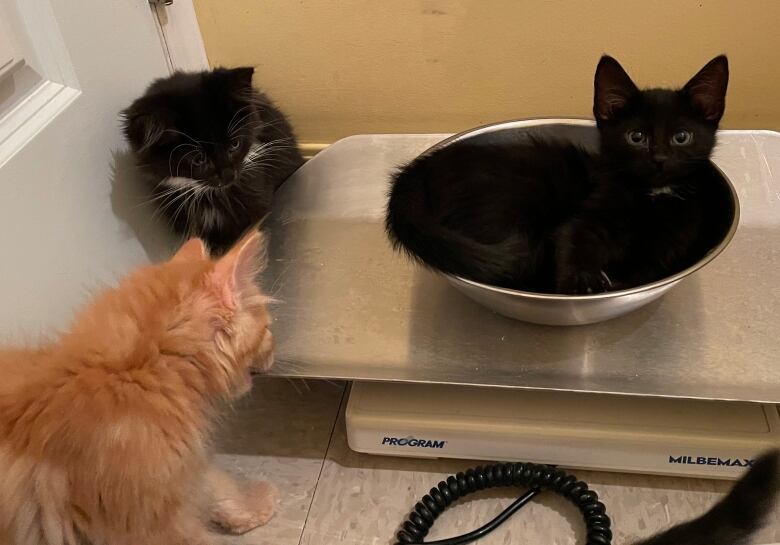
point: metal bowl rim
(539, 121)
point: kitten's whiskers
(232, 123)
(170, 156)
(185, 135)
(187, 195)
(182, 158)
(238, 126)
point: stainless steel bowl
(554, 309)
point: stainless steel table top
(351, 308)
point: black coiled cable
(537, 477)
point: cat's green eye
(235, 144)
(682, 138)
(636, 138)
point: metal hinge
(161, 2)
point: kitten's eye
(682, 138)
(199, 159)
(235, 144)
(636, 137)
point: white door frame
(180, 35)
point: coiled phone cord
(537, 477)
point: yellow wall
(341, 67)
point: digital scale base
(667, 436)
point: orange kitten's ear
(192, 250)
(235, 272)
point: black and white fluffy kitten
(548, 216)
(738, 516)
(216, 149)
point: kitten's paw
(240, 515)
(262, 498)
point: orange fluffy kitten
(104, 434)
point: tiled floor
(293, 434)
(281, 433)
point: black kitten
(216, 149)
(548, 216)
(738, 516)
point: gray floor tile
(280, 433)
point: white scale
(713, 439)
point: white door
(68, 220)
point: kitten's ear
(740, 514)
(237, 270)
(145, 125)
(707, 89)
(192, 250)
(613, 89)
(242, 77)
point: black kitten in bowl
(548, 216)
(216, 150)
